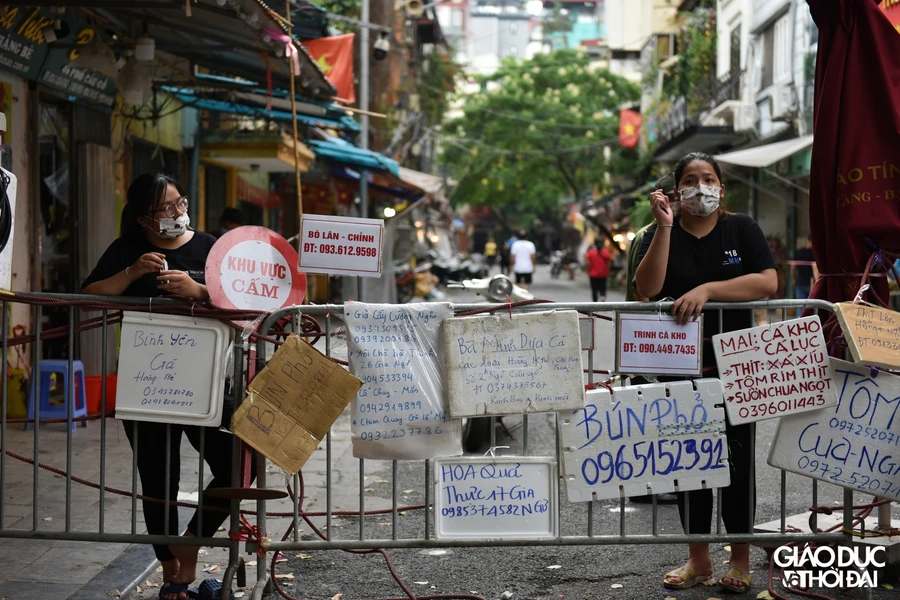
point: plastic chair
(79, 398)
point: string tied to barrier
(250, 533)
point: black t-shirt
(736, 246)
(190, 258)
(804, 272)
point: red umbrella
(854, 204)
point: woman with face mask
(157, 254)
(697, 252)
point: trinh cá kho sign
(774, 370)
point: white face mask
(171, 228)
(701, 201)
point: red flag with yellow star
(334, 55)
(629, 128)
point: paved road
(540, 573)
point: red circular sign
(254, 268)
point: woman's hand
(179, 282)
(659, 205)
(152, 262)
(690, 306)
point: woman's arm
(115, 285)
(745, 288)
(111, 286)
(651, 272)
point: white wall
(730, 14)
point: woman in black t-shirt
(157, 254)
(697, 252)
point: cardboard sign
(502, 364)
(399, 413)
(774, 370)
(292, 403)
(171, 369)
(507, 497)
(645, 439)
(872, 333)
(254, 268)
(654, 344)
(341, 245)
(855, 444)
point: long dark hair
(145, 194)
(687, 159)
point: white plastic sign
(6, 253)
(399, 412)
(171, 369)
(654, 344)
(510, 364)
(645, 439)
(509, 497)
(856, 443)
(774, 370)
(341, 245)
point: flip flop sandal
(172, 588)
(688, 579)
(735, 574)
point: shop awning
(765, 156)
(432, 184)
(260, 112)
(382, 181)
(343, 153)
(267, 152)
(697, 138)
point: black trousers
(736, 498)
(598, 287)
(150, 447)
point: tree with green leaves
(535, 135)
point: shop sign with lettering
(22, 45)
(85, 84)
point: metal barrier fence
(253, 345)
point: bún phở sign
(502, 364)
(774, 370)
(854, 444)
(645, 439)
(655, 344)
(504, 497)
(872, 333)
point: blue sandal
(170, 588)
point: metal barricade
(254, 345)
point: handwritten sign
(399, 413)
(341, 245)
(855, 444)
(872, 333)
(254, 268)
(654, 344)
(292, 403)
(645, 439)
(502, 364)
(171, 369)
(509, 497)
(774, 370)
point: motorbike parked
(414, 282)
(499, 288)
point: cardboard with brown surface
(872, 333)
(292, 403)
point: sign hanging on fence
(654, 344)
(774, 370)
(872, 333)
(341, 245)
(171, 369)
(645, 439)
(504, 497)
(254, 268)
(399, 413)
(510, 364)
(855, 444)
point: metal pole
(364, 50)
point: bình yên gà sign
(872, 333)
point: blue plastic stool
(79, 398)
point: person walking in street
(803, 275)
(506, 264)
(598, 260)
(490, 253)
(522, 259)
(697, 252)
(158, 254)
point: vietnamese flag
(854, 188)
(629, 128)
(334, 55)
